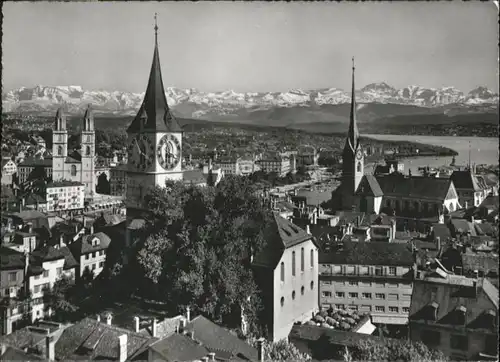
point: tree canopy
(198, 245)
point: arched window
(87, 151)
(293, 295)
(59, 150)
(302, 259)
(452, 207)
(73, 170)
(302, 290)
(282, 301)
(312, 285)
(293, 263)
(312, 258)
(359, 167)
(282, 271)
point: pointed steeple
(60, 120)
(353, 133)
(154, 114)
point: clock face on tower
(141, 152)
(359, 154)
(169, 152)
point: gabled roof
(449, 298)
(369, 187)
(84, 244)
(32, 162)
(10, 259)
(430, 188)
(368, 253)
(465, 180)
(179, 347)
(15, 354)
(490, 202)
(441, 231)
(92, 340)
(50, 253)
(460, 226)
(154, 110)
(216, 339)
(280, 234)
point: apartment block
(374, 277)
(65, 195)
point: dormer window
(95, 241)
(461, 314)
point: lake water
(483, 150)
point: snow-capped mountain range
(195, 103)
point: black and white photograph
(249, 181)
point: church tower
(352, 156)
(88, 152)
(154, 141)
(59, 146)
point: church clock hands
(141, 157)
(168, 152)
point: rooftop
(368, 253)
(63, 183)
(430, 188)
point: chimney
(476, 274)
(50, 348)
(188, 314)
(30, 227)
(76, 228)
(154, 327)
(109, 318)
(211, 356)
(209, 163)
(61, 240)
(466, 204)
(23, 202)
(438, 243)
(308, 229)
(98, 317)
(260, 349)
(91, 229)
(472, 219)
(191, 334)
(137, 324)
(122, 348)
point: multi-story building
(456, 315)
(373, 277)
(29, 274)
(276, 163)
(471, 190)
(287, 272)
(228, 164)
(9, 167)
(118, 180)
(65, 195)
(90, 252)
(29, 164)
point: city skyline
(217, 47)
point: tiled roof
(351, 217)
(416, 187)
(490, 202)
(164, 328)
(32, 162)
(337, 337)
(368, 253)
(486, 228)
(154, 109)
(14, 354)
(50, 253)
(369, 186)
(280, 235)
(441, 231)
(84, 244)
(136, 224)
(10, 259)
(193, 176)
(63, 183)
(69, 260)
(449, 298)
(460, 226)
(480, 261)
(214, 338)
(315, 198)
(92, 340)
(28, 215)
(25, 338)
(180, 347)
(465, 180)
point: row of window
(378, 308)
(302, 290)
(95, 254)
(355, 295)
(355, 283)
(41, 287)
(302, 263)
(363, 270)
(94, 266)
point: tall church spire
(353, 133)
(154, 114)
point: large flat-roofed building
(372, 277)
(456, 314)
(65, 195)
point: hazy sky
(250, 46)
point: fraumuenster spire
(353, 133)
(154, 114)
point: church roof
(465, 180)
(154, 111)
(369, 186)
(415, 187)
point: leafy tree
(280, 351)
(197, 251)
(396, 350)
(60, 299)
